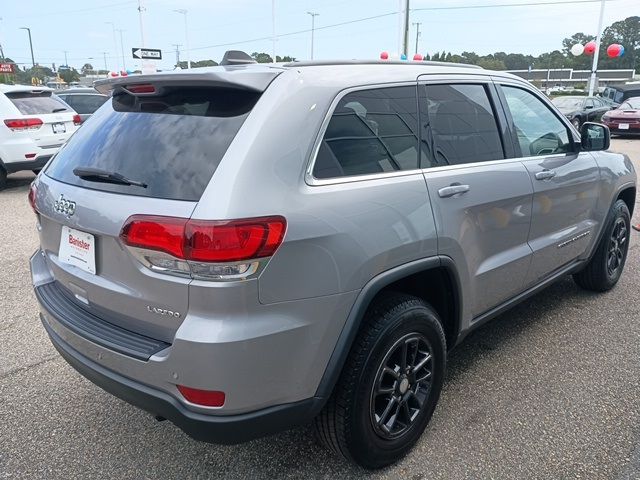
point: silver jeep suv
(246, 248)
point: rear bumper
(36, 164)
(228, 429)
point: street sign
(7, 68)
(147, 53)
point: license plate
(623, 126)
(59, 127)
(78, 249)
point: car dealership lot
(551, 389)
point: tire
(605, 267)
(3, 178)
(576, 123)
(357, 422)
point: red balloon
(123, 73)
(384, 56)
(613, 50)
(417, 57)
(114, 74)
(590, 48)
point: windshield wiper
(56, 110)
(99, 175)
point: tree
(70, 75)
(491, 63)
(87, 67)
(198, 64)
(262, 57)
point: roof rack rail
(236, 57)
(314, 63)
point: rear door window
(461, 125)
(37, 103)
(370, 131)
(85, 103)
(172, 143)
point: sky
(82, 28)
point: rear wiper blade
(99, 175)
(56, 110)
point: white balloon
(577, 49)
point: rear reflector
(77, 120)
(23, 123)
(32, 197)
(206, 398)
(29, 155)
(206, 241)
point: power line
(498, 5)
(374, 17)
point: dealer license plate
(78, 249)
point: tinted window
(461, 126)
(173, 143)
(30, 103)
(370, 131)
(589, 103)
(598, 103)
(539, 131)
(84, 103)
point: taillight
(221, 249)
(23, 123)
(206, 398)
(235, 240)
(32, 197)
(163, 234)
(77, 120)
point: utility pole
(417, 24)
(177, 53)
(140, 10)
(596, 54)
(104, 54)
(115, 43)
(186, 34)
(313, 28)
(33, 62)
(66, 62)
(124, 63)
(405, 37)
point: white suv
(34, 125)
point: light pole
(313, 28)
(273, 30)
(186, 35)
(596, 54)
(405, 36)
(177, 45)
(124, 64)
(30, 45)
(104, 54)
(66, 62)
(115, 43)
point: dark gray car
(246, 248)
(85, 101)
(582, 109)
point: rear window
(36, 103)
(172, 143)
(84, 103)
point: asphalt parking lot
(551, 389)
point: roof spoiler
(255, 81)
(236, 57)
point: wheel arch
(628, 195)
(411, 278)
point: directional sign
(147, 53)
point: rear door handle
(545, 175)
(452, 190)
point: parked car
(85, 101)
(245, 248)
(625, 119)
(34, 126)
(620, 93)
(581, 109)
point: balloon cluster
(614, 50)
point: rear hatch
(56, 116)
(167, 139)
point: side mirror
(594, 136)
